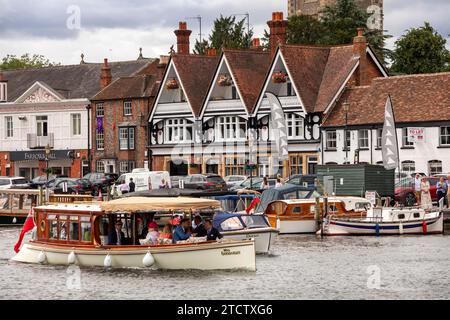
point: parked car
(175, 181)
(40, 181)
(209, 182)
(304, 180)
(404, 191)
(234, 180)
(256, 184)
(101, 180)
(13, 183)
(74, 186)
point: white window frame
(123, 167)
(363, 137)
(100, 166)
(295, 122)
(379, 138)
(40, 121)
(9, 126)
(330, 139)
(99, 110)
(405, 142)
(127, 108)
(228, 128)
(445, 136)
(178, 130)
(75, 123)
(3, 92)
(100, 140)
(411, 165)
(127, 138)
(433, 164)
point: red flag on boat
(27, 227)
(252, 205)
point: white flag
(278, 127)
(389, 139)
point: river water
(300, 267)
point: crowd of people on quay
(422, 191)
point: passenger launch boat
(241, 226)
(387, 221)
(304, 215)
(78, 234)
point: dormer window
(231, 128)
(3, 92)
(234, 94)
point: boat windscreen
(255, 221)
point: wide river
(301, 267)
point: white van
(143, 179)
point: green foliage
(421, 50)
(227, 33)
(304, 29)
(26, 61)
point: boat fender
(14, 220)
(42, 258)
(148, 260)
(424, 227)
(108, 261)
(278, 226)
(400, 228)
(72, 258)
(377, 230)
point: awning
(141, 204)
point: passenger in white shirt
(417, 188)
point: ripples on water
(300, 267)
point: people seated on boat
(150, 224)
(152, 236)
(212, 234)
(116, 237)
(182, 231)
(166, 235)
(199, 228)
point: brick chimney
(3, 88)
(211, 52)
(277, 31)
(162, 65)
(105, 77)
(360, 49)
(256, 44)
(183, 34)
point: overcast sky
(116, 29)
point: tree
(226, 33)
(25, 61)
(200, 47)
(421, 50)
(304, 29)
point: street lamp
(346, 106)
(47, 155)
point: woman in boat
(425, 196)
(165, 237)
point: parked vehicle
(256, 184)
(209, 182)
(143, 179)
(234, 180)
(69, 186)
(307, 180)
(13, 183)
(101, 180)
(404, 191)
(175, 181)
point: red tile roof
(318, 72)
(415, 98)
(249, 69)
(196, 73)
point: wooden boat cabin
(301, 215)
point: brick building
(47, 107)
(314, 7)
(120, 112)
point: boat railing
(70, 198)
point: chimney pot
(277, 31)
(105, 77)
(183, 42)
(360, 32)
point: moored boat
(78, 234)
(303, 215)
(386, 221)
(239, 226)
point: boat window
(53, 232)
(231, 224)
(297, 210)
(290, 195)
(74, 231)
(254, 221)
(51, 217)
(332, 208)
(416, 214)
(401, 216)
(86, 231)
(85, 219)
(362, 206)
(312, 209)
(62, 227)
(74, 218)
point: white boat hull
(201, 256)
(299, 226)
(264, 237)
(336, 226)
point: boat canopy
(286, 192)
(225, 221)
(141, 204)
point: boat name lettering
(228, 252)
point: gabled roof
(196, 73)
(318, 72)
(249, 69)
(71, 82)
(415, 98)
